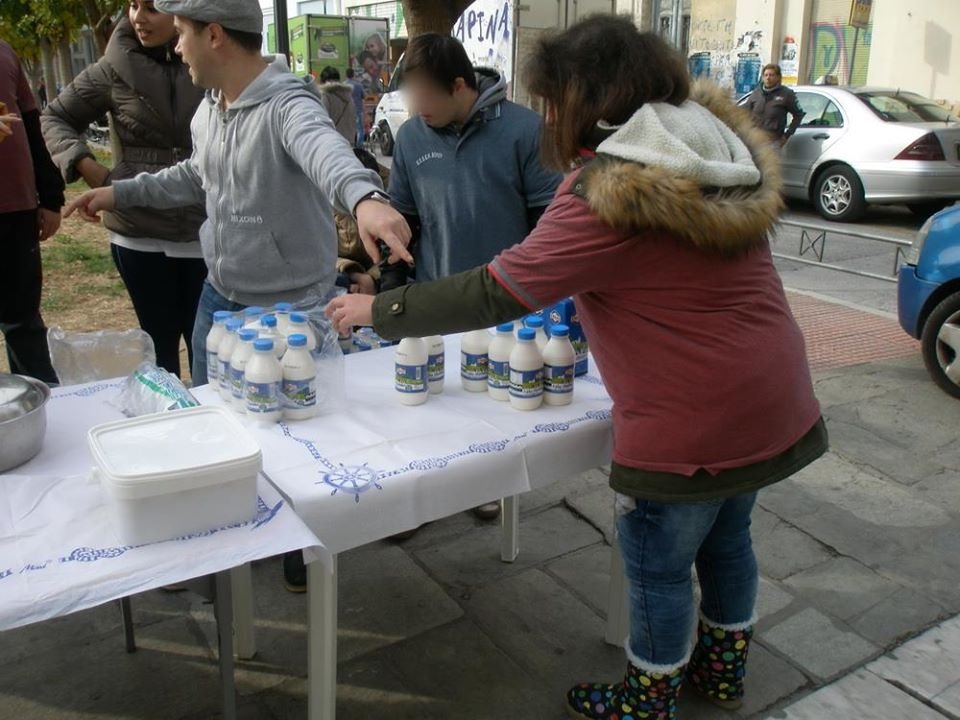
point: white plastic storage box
(176, 473)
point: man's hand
(49, 222)
(347, 311)
(376, 220)
(90, 203)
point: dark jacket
(151, 101)
(770, 109)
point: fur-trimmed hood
(702, 204)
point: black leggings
(21, 281)
(165, 292)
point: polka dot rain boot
(642, 695)
(719, 663)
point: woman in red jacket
(660, 234)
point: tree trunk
(49, 75)
(438, 16)
(65, 61)
(101, 23)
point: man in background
(31, 195)
(771, 102)
(356, 89)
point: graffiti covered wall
(835, 46)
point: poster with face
(370, 53)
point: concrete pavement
(858, 554)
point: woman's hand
(92, 172)
(348, 311)
(6, 121)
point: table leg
(618, 600)
(510, 538)
(241, 587)
(126, 615)
(322, 641)
(223, 611)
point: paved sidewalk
(858, 554)
(919, 680)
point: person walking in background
(338, 100)
(661, 235)
(146, 89)
(42, 93)
(770, 102)
(31, 195)
(466, 170)
(356, 90)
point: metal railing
(813, 241)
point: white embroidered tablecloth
(376, 467)
(58, 551)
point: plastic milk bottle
(282, 310)
(410, 371)
(498, 375)
(252, 315)
(536, 322)
(299, 388)
(225, 350)
(214, 337)
(526, 372)
(298, 325)
(473, 360)
(559, 359)
(262, 378)
(242, 352)
(436, 362)
(269, 329)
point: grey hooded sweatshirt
(270, 169)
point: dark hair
(329, 74)
(774, 67)
(350, 73)
(601, 68)
(441, 58)
(247, 40)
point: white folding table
(374, 468)
(59, 554)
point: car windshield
(895, 106)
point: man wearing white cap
(268, 164)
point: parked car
(859, 145)
(928, 296)
(391, 113)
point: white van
(391, 113)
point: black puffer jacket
(151, 100)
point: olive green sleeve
(467, 301)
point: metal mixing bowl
(23, 419)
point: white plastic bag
(87, 357)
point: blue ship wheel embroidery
(352, 479)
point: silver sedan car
(861, 145)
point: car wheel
(838, 194)
(923, 210)
(940, 342)
(386, 141)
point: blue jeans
(210, 302)
(660, 542)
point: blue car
(928, 296)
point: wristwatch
(375, 195)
